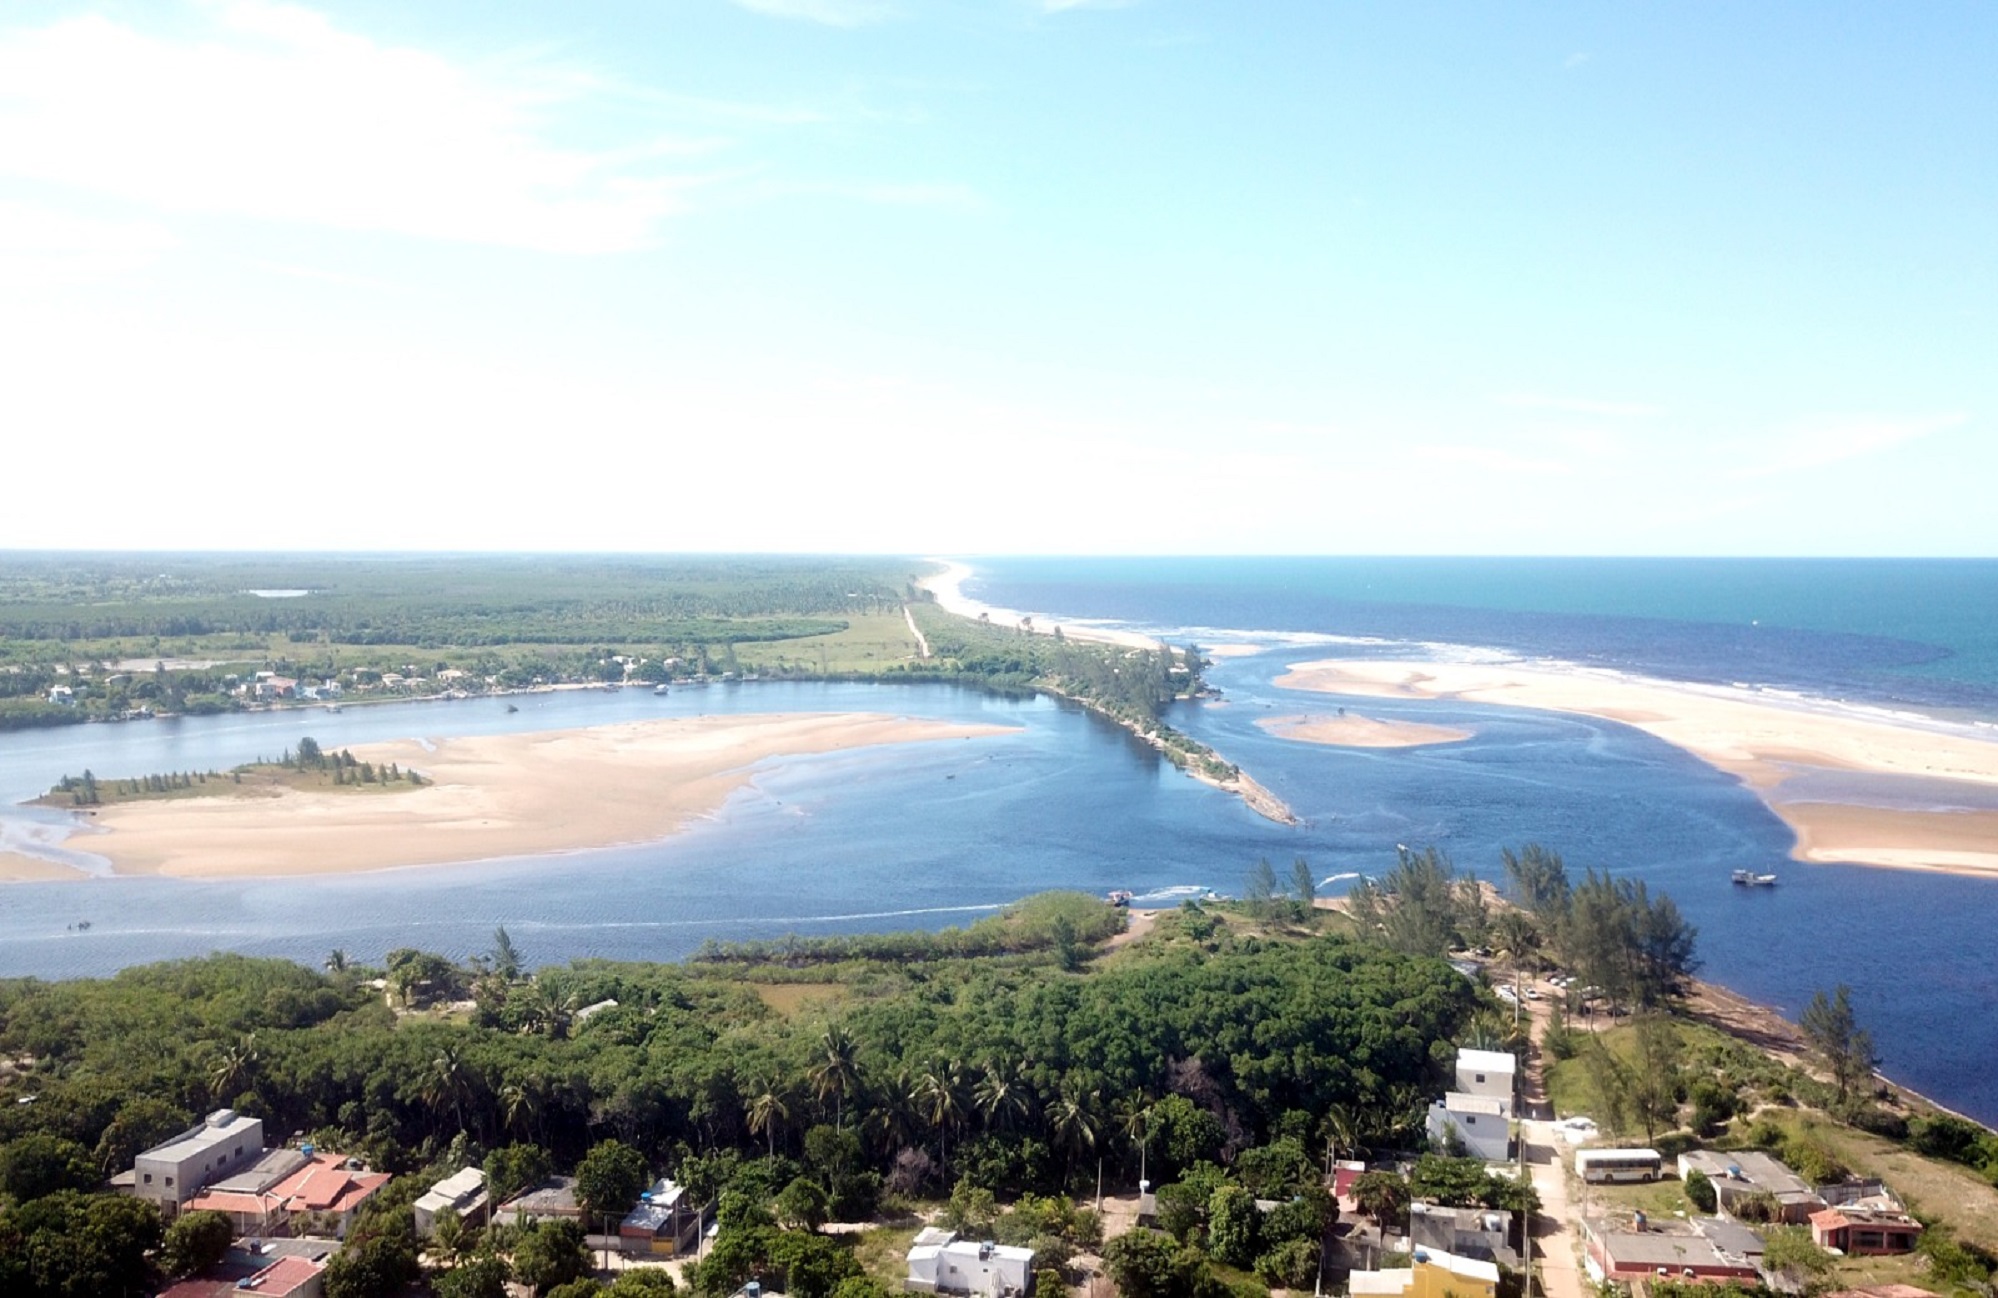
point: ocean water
(925, 835)
(1907, 636)
(1920, 634)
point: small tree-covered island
(1275, 1093)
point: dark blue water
(1919, 633)
(1903, 634)
(939, 833)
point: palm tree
(448, 1083)
(232, 1070)
(521, 1103)
(336, 961)
(837, 1072)
(451, 1240)
(1002, 1095)
(1072, 1119)
(766, 1111)
(1134, 1123)
(939, 1097)
(890, 1124)
(1342, 1131)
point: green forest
(840, 1080)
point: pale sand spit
(947, 587)
(1355, 731)
(18, 868)
(492, 796)
(1762, 739)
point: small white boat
(1750, 879)
(658, 689)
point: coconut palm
(837, 1072)
(1072, 1119)
(233, 1068)
(1342, 1131)
(891, 1123)
(1134, 1122)
(1003, 1096)
(939, 1097)
(766, 1111)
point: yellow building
(1432, 1274)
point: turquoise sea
(933, 834)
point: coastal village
(1477, 1094)
(1500, 1195)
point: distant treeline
(437, 600)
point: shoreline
(490, 797)
(1765, 741)
(947, 585)
(1351, 730)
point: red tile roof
(322, 1185)
(286, 1275)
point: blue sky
(1001, 276)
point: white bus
(1601, 1165)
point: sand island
(1351, 730)
(487, 796)
(1769, 741)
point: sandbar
(490, 796)
(17, 867)
(1351, 730)
(947, 587)
(1760, 737)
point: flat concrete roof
(215, 1130)
(1487, 1061)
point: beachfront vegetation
(1131, 686)
(307, 768)
(1002, 1068)
(97, 636)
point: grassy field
(793, 999)
(1950, 1193)
(870, 642)
(883, 1253)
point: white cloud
(1819, 443)
(833, 13)
(1579, 405)
(274, 113)
(1488, 459)
(39, 245)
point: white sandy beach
(1763, 739)
(491, 796)
(1351, 730)
(947, 587)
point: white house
(171, 1172)
(463, 1192)
(940, 1262)
(1480, 1111)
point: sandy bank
(17, 868)
(1763, 739)
(1355, 731)
(492, 796)
(947, 586)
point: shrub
(1292, 1264)
(1700, 1191)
